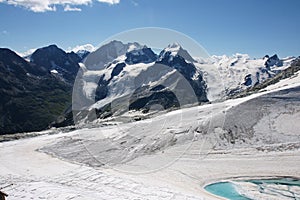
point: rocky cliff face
(32, 96)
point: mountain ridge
(49, 73)
(142, 72)
(32, 98)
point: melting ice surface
(280, 188)
(225, 189)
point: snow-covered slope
(107, 53)
(245, 122)
(132, 76)
(230, 75)
(170, 156)
(175, 153)
(119, 77)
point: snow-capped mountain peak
(134, 46)
(174, 47)
(140, 55)
(82, 48)
(173, 50)
(109, 52)
(116, 63)
(105, 54)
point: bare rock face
(32, 98)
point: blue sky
(256, 27)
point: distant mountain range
(37, 90)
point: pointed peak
(275, 56)
(49, 48)
(173, 47)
